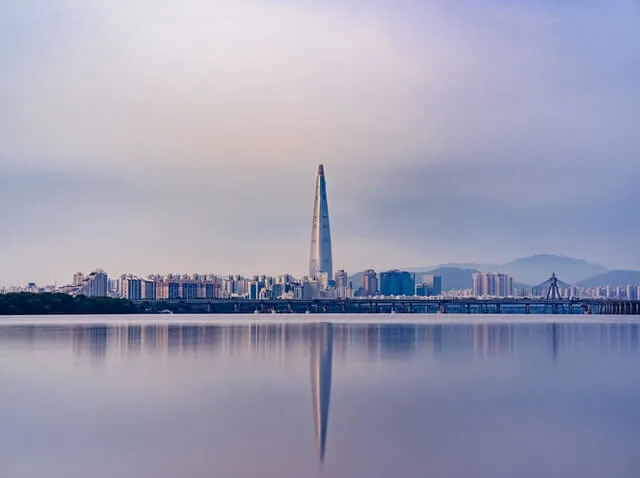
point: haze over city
(185, 136)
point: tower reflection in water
(321, 365)
(100, 344)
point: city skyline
(452, 133)
(586, 276)
(287, 288)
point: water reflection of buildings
(285, 340)
(489, 340)
(321, 367)
(324, 342)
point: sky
(184, 135)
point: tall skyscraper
(320, 259)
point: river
(344, 396)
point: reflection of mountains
(376, 341)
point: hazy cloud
(185, 135)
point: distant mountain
(453, 265)
(455, 278)
(612, 278)
(356, 279)
(531, 270)
(536, 269)
(452, 277)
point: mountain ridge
(526, 271)
(614, 278)
(533, 269)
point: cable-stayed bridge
(550, 289)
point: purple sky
(184, 136)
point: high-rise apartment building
(492, 284)
(341, 278)
(320, 258)
(149, 290)
(343, 284)
(95, 284)
(189, 289)
(168, 288)
(370, 282)
(631, 292)
(477, 287)
(254, 289)
(131, 287)
(114, 287)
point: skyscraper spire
(320, 259)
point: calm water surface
(249, 397)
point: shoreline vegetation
(26, 303)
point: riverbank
(25, 303)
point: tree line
(25, 303)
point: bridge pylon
(553, 292)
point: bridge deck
(406, 305)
